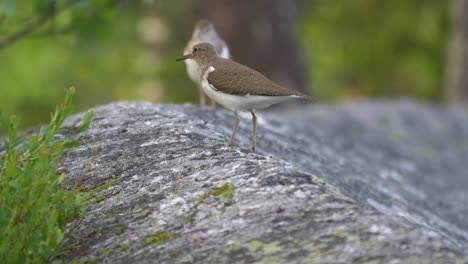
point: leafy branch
(51, 10)
(35, 205)
(30, 27)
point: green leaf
(14, 184)
(12, 130)
(71, 144)
(68, 96)
(87, 118)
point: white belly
(239, 102)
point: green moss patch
(158, 238)
(98, 187)
(96, 258)
(89, 192)
(226, 190)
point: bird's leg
(254, 131)
(202, 97)
(236, 124)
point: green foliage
(34, 206)
(91, 44)
(375, 48)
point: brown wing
(234, 78)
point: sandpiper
(235, 86)
(204, 32)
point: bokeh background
(125, 50)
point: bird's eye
(195, 49)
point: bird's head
(203, 26)
(201, 53)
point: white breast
(192, 70)
(239, 102)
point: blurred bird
(235, 86)
(204, 32)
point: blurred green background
(125, 50)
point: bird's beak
(187, 56)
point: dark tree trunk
(260, 34)
(457, 70)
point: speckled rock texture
(380, 182)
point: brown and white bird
(235, 86)
(204, 32)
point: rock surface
(357, 183)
